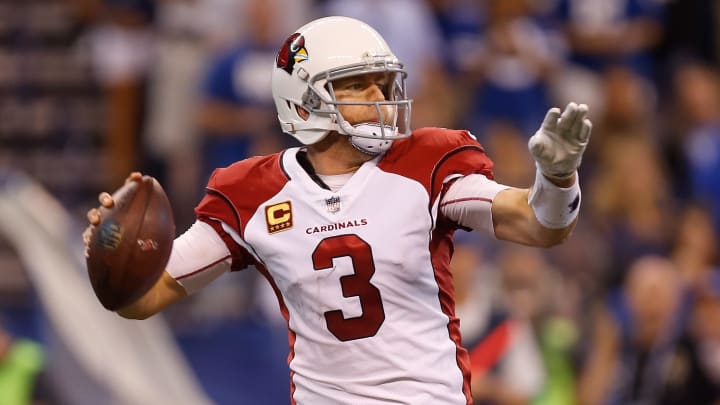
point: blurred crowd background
(626, 312)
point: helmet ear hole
(303, 113)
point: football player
(354, 230)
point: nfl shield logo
(333, 204)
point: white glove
(559, 144)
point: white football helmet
(327, 49)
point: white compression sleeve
(468, 202)
(554, 207)
(198, 257)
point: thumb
(536, 146)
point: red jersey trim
(459, 200)
(436, 183)
(241, 258)
(286, 314)
(228, 202)
(200, 270)
(441, 248)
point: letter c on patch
(279, 213)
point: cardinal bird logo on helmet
(292, 52)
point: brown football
(129, 249)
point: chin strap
(368, 138)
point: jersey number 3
(353, 285)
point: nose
(376, 93)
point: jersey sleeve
(219, 212)
(198, 257)
(436, 156)
(464, 156)
(233, 195)
(468, 201)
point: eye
(387, 89)
(356, 86)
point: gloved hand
(559, 144)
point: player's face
(367, 87)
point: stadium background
(92, 89)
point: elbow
(549, 243)
(553, 237)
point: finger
(580, 114)
(573, 125)
(566, 118)
(585, 131)
(134, 176)
(583, 108)
(93, 216)
(551, 119)
(576, 124)
(106, 200)
(86, 235)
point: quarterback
(354, 230)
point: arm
(479, 203)
(199, 256)
(515, 220)
(543, 215)
(164, 293)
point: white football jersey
(361, 274)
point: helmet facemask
(393, 113)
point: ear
(303, 113)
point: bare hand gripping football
(129, 241)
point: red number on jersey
(354, 285)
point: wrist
(556, 175)
(562, 181)
(555, 206)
